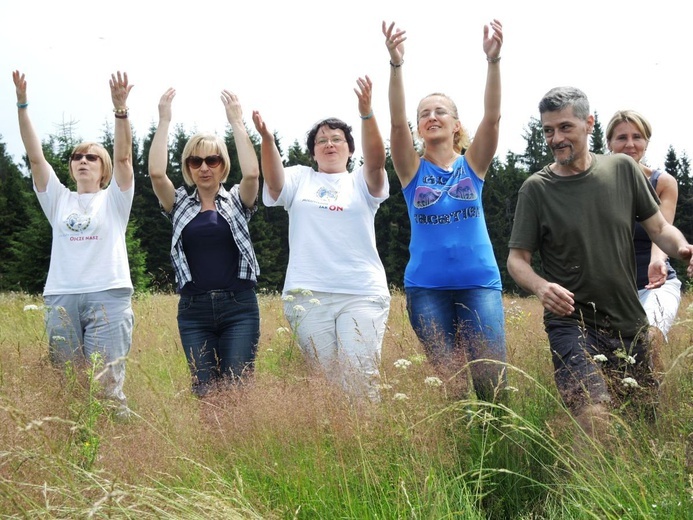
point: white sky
(297, 61)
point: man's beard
(568, 160)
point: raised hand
(234, 112)
(20, 86)
(394, 41)
(364, 94)
(493, 39)
(165, 104)
(261, 126)
(120, 89)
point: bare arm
(669, 239)
(40, 169)
(158, 155)
(122, 145)
(250, 170)
(272, 166)
(668, 193)
(483, 147)
(371, 141)
(404, 155)
(553, 297)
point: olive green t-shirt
(582, 226)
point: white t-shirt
(331, 232)
(88, 252)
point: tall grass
(289, 446)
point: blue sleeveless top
(450, 247)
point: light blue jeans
(81, 325)
(460, 326)
(342, 335)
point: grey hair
(559, 98)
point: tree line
(25, 236)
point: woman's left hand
(234, 112)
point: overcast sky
(298, 61)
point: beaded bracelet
(493, 60)
(396, 66)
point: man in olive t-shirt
(578, 213)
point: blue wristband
(22, 105)
(367, 116)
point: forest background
(25, 236)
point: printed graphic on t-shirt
(426, 196)
(77, 222)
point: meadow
(287, 446)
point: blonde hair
(629, 116)
(106, 163)
(205, 141)
(460, 140)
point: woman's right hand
(394, 41)
(261, 126)
(165, 104)
(20, 86)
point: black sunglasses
(211, 160)
(91, 157)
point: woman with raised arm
(452, 281)
(335, 294)
(629, 132)
(211, 250)
(88, 290)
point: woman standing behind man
(211, 251)
(88, 290)
(335, 293)
(629, 132)
(452, 281)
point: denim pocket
(184, 303)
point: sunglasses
(196, 162)
(91, 157)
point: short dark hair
(334, 124)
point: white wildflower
(402, 363)
(630, 382)
(283, 330)
(433, 381)
(306, 292)
(601, 358)
(288, 298)
(31, 308)
(314, 301)
(511, 389)
(418, 358)
(400, 397)
(58, 338)
(299, 308)
(631, 360)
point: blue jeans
(457, 326)
(219, 331)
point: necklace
(85, 209)
(447, 166)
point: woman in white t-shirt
(88, 290)
(335, 294)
